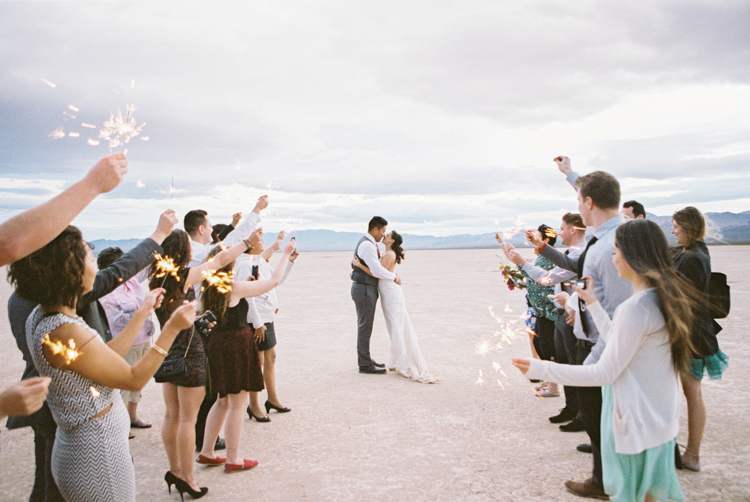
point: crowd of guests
(622, 321)
(84, 325)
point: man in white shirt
(365, 291)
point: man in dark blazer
(89, 308)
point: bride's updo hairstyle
(52, 275)
(644, 247)
(396, 246)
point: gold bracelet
(159, 350)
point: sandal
(139, 424)
(546, 393)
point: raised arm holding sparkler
(32, 229)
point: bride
(406, 358)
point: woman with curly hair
(692, 260)
(90, 458)
(184, 392)
(234, 362)
(406, 357)
(647, 347)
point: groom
(365, 291)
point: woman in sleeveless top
(234, 362)
(90, 458)
(184, 393)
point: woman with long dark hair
(406, 357)
(647, 347)
(234, 362)
(183, 393)
(692, 260)
(91, 458)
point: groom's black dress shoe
(374, 370)
(378, 365)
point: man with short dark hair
(633, 209)
(598, 204)
(365, 291)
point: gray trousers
(365, 299)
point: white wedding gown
(406, 358)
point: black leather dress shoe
(220, 444)
(565, 415)
(585, 448)
(373, 370)
(378, 365)
(574, 426)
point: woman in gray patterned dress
(90, 458)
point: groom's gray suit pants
(365, 299)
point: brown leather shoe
(586, 489)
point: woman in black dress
(184, 393)
(234, 363)
(692, 260)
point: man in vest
(365, 291)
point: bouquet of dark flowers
(514, 278)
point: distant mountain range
(724, 228)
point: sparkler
(164, 267)
(550, 232)
(222, 281)
(119, 130)
(94, 393)
(68, 352)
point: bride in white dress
(406, 358)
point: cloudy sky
(442, 117)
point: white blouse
(637, 362)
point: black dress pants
(565, 353)
(590, 401)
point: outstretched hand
(25, 397)
(108, 172)
(521, 364)
(563, 164)
(534, 237)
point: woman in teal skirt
(648, 345)
(692, 260)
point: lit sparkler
(164, 267)
(69, 352)
(119, 130)
(550, 232)
(222, 281)
(483, 348)
(94, 393)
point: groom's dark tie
(377, 248)
(582, 304)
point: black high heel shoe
(252, 415)
(278, 409)
(183, 486)
(170, 479)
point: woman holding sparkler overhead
(234, 360)
(648, 346)
(183, 393)
(90, 459)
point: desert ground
(383, 437)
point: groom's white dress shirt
(368, 253)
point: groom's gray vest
(358, 275)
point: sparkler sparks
(165, 266)
(222, 281)
(139, 184)
(550, 232)
(74, 108)
(480, 379)
(90, 126)
(483, 348)
(57, 133)
(95, 393)
(74, 134)
(119, 130)
(93, 142)
(68, 352)
(51, 84)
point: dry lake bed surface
(383, 437)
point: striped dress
(90, 458)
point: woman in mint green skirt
(647, 347)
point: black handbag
(172, 368)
